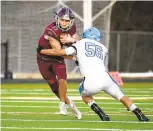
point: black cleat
(140, 116)
(103, 116)
(100, 112)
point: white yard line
(85, 121)
(74, 94)
(91, 129)
(26, 90)
(72, 90)
(89, 113)
(80, 107)
(48, 101)
(72, 97)
(32, 93)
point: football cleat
(75, 110)
(62, 108)
(100, 112)
(140, 116)
(103, 116)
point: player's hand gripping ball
(66, 39)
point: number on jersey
(93, 50)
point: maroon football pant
(52, 71)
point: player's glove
(77, 63)
(39, 48)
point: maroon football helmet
(64, 13)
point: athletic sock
(90, 103)
(132, 107)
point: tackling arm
(53, 42)
(53, 52)
(67, 52)
(56, 52)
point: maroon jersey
(53, 31)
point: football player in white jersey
(91, 55)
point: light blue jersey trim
(81, 88)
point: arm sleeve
(70, 51)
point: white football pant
(97, 83)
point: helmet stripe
(67, 11)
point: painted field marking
(85, 121)
(80, 107)
(89, 113)
(71, 90)
(72, 97)
(50, 94)
(91, 129)
(46, 101)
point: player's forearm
(54, 44)
(53, 52)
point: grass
(33, 107)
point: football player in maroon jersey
(52, 68)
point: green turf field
(32, 107)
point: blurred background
(127, 28)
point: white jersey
(91, 56)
